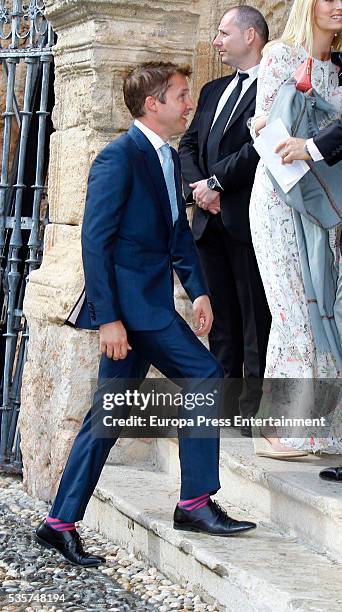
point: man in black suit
(327, 145)
(218, 166)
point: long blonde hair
(299, 30)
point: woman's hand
(259, 124)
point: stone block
(72, 153)
(54, 288)
(60, 370)
(73, 99)
(109, 112)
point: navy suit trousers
(177, 353)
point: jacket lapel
(151, 160)
(178, 177)
(208, 113)
(243, 104)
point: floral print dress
(291, 349)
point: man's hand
(206, 198)
(292, 149)
(202, 315)
(215, 206)
(113, 340)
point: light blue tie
(169, 175)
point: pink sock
(59, 525)
(195, 502)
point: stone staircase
(288, 494)
(291, 562)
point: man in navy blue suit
(135, 234)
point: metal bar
(34, 241)
(32, 29)
(26, 222)
(17, 462)
(17, 14)
(8, 116)
(51, 37)
(30, 39)
(26, 22)
(14, 261)
(15, 102)
(15, 393)
(4, 18)
(36, 12)
(13, 444)
(22, 53)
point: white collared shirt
(314, 151)
(154, 139)
(252, 75)
(157, 142)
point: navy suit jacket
(129, 245)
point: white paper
(286, 175)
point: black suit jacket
(236, 164)
(329, 143)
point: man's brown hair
(149, 79)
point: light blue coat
(316, 203)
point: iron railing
(26, 41)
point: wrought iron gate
(26, 83)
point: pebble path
(35, 579)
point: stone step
(262, 571)
(288, 494)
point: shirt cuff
(314, 151)
(218, 182)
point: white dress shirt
(157, 142)
(252, 75)
(154, 139)
(314, 151)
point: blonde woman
(314, 28)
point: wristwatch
(213, 184)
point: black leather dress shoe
(69, 544)
(332, 473)
(211, 519)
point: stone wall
(97, 39)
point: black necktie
(221, 122)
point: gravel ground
(32, 578)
